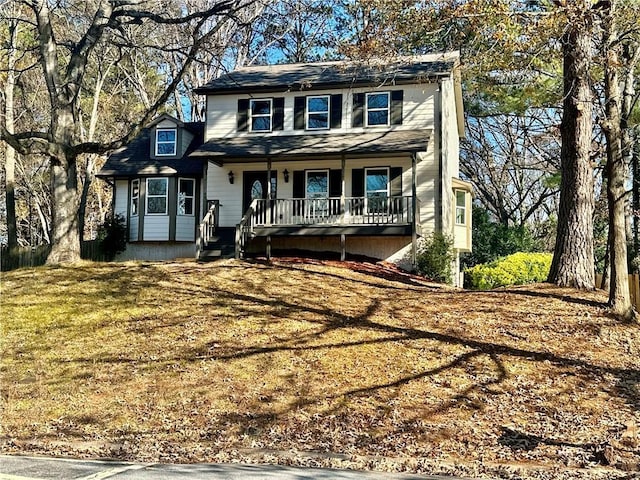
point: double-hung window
(376, 186)
(318, 112)
(317, 192)
(260, 112)
(166, 139)
(186, 190)
(157, 189)
(461, 207)
(377, 109)
(135, 197)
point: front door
(254, 185)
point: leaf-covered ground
(313, 363)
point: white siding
(166, 123)
(133, 229)
(121, 201)
(185, 228)
(418, 105)
(450, 152)
(156, 227)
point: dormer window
(166, 139)
(260, 115)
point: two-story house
(334, 157)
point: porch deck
(334, 216)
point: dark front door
(254, 185)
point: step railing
(244, 229)
(208, 227)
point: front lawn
(312, 363)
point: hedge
(516, 269)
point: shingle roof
(252, 148)
(135, 159)
(314, 76)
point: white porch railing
(333, 211)
(208, 227)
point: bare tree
(67, 35)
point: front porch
(317, 217)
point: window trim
(387, 191)
(192, 197)
(262, 115)
(377, 109)
(306, 180)
(135, 183)
(308, 112)
(174, 143)
(148, 196)
(462, 208)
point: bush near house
(435, 256)
(516, 269)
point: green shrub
(434, 257)
(113, 236)
(516, 269)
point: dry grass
(185, 362)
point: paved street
(40, 468)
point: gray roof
(315, 76)
(135, 159)
(255, 148)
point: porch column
(342, 189)
(269, 193)
(414, 212)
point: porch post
(342, 189)
(414, 213)
(268, 218)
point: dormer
(168, 138)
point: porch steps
(222, 245)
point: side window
(318, 112)
(135, 197)
(186, 193)
(461, 207)
(166, 139)
(260, 115)
(377, 106)
(157, 189)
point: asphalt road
(42, 468)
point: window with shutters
(376, 186)
(317, 192)
(377, 106)
(135, 197)
(260, 112)
(318, 112)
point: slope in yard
(233, 360)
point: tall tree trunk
(573, 259)
(65, 244)
(10, 153)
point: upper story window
(166, 140)
(186, 195)
(318, 112)
(135, 197)
(461, 207)
(377, 108)
(377, 105)
(260, 115)
(157, 189)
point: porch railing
(208, 226)
(333, 211)
(244, 229)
